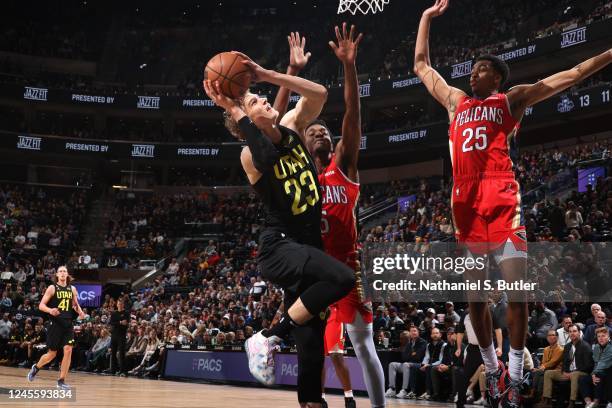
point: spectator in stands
(113, 262)
(577, 362)
(429, 322)
(380, 320)
(595, 308)
(97, 355)
(498, 308)
(600, 321)
(5, 302)
(395, 325)
(84, 340)
(258, 287)
(173, 268)
(573, 217)
(450, 312)
(137, 349)
(592, 387)
(5, 331)
(563, 331)
(84, 260)
(433, 358)
(552, 359)
(412, 354)
(151, 349)
(448, 370)
(542, 319)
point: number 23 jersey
(290, 192)
(479, 136)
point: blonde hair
(232, 126)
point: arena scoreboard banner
(422, 137)
(538, 48)
(89, 295)
(228, 366)
(117, 149)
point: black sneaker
(349, 402)
(324, 403)
(62, 385)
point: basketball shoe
(260, 353)
(493, 382)
(32, 373)
(511, 390)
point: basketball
(234, 77)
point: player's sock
(36, 369)
(348, 394)
(515, 364)
(282, 328)
(323, 396)
(489, 358)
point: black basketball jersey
(290, 191)
(62, 300)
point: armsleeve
(263, 150)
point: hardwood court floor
(108, 391)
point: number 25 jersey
(479, 136)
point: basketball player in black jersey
(60, 301)
(282, 172)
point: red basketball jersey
(479, 136)
(338, 223)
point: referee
(119, 323)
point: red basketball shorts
(334, 332)
(487, 214)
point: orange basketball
(234, 77)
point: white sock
(515, 364)
(348, 394)
(489, 358)
(323, 395)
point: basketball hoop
(362, 6)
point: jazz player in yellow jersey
(59, 301)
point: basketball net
(362, 6)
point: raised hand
(297, 58)
(213, 90)
(346, 49)
(437, 9)
(258, 73)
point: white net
(362, 6)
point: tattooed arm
(436, 85)
(523, 96)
